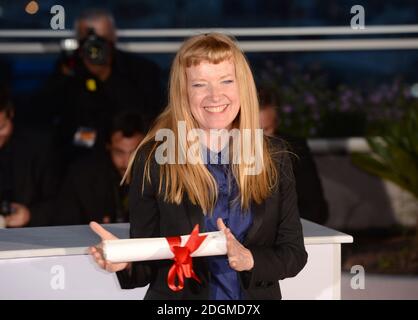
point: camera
(95, 49)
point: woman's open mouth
(216, 109)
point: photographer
(92, 190)
(97, 81)
(27, 180)
(311, 200)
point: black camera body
(95, 49)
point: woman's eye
(197, 85)
(227, 81)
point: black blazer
(275, 238)
(33, 174)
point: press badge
(91, 85)
(85, 137)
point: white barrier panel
(52, 263)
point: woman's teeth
(216, 109)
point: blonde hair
(195, 179)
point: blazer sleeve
(144, 222)
(287, 256)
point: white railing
(279, 45)
(238, 32)
(346, 145)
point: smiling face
(213, 94)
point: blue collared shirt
(224, 281)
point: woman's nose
(215, 92)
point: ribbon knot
(181, 255)
(183, 262)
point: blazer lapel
(258, 211)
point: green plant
(394, 155)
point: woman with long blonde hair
(205, 161)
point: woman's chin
(219, 126)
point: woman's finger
(99, 248)
(109, 266)
(233, 262)
(221, 224)
(231, 250)
(101, 232)
(101, 263)
(232, 259)
(98, 256)
(230, 240)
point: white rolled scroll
(128, 250)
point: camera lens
(96, 49)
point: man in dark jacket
(27, 177)
(96, 82)
(92, 190)
(311, 200)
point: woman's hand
(239, 257)
(97, 251)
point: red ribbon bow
(183, 264)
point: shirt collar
(213, 157)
